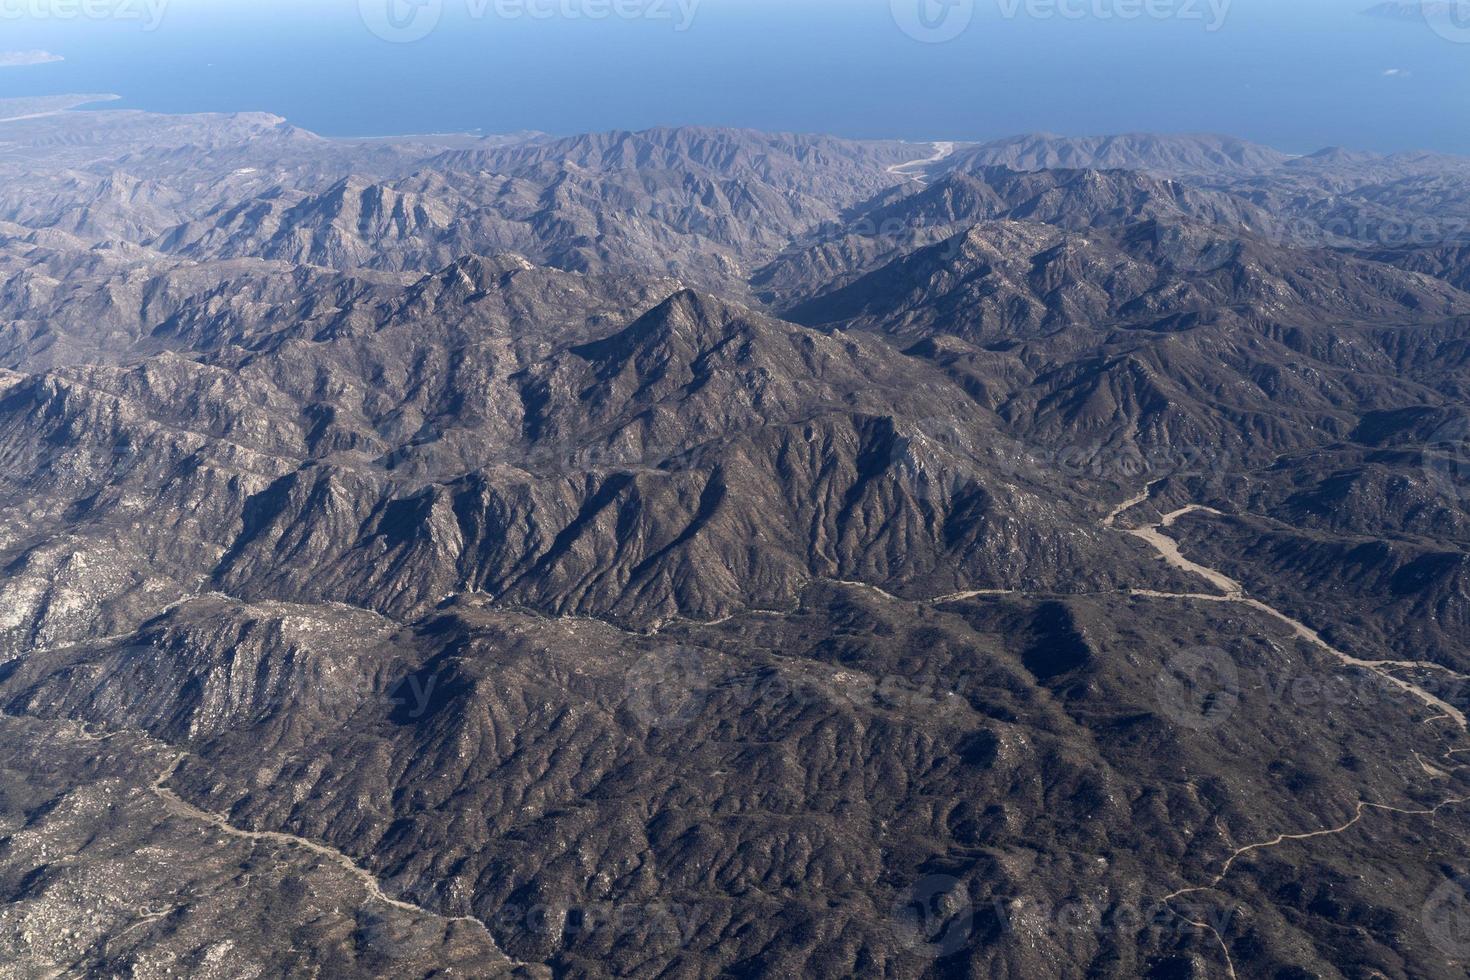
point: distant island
(23, 59)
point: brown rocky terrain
(706, 553)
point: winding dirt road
(942, 151)
(1169, 550)
(1233, 591)
(177, 806)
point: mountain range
(706, 553)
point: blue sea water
(1296, 74)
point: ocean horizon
(1250, 68)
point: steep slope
(901, 221)
(423, 558)
(1450, 262)
(646, 462)
(823, 166)
(1184, 155)
(1014, 281)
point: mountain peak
(684, 325)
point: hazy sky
(1299, 74)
